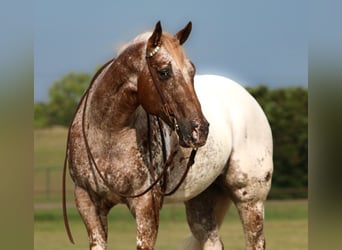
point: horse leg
(94, 215)
(249, 190)
(252, 217)
(145, 209)
(205, 214)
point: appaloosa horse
(140, 136)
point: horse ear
(183, 34)
(154, 40)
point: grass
(285, 226)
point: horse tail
(191, 244)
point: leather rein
(167, 161)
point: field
(286, 225)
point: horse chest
(210, 162)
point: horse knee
(247, 187)
(249, 179)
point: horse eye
(164, 73)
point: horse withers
(141, 137)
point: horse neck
(114, 94)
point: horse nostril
(199, 130)
(195, 135)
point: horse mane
(138, 39)
(143, 37)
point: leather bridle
(169, 112)
(166, 107)
(167, 161)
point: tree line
(287, 112)
(285, 108)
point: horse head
(166, 86)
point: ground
(286, 228)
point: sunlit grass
(285, 228)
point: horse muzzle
(193, 134)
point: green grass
(49, 147)
(285, 226)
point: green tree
(41, 116)
(287, 112)
(64, 96)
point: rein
(65, 215)
(167, 161)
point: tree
(41, 116)
(287, 112)
(64, 96)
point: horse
(148, 132)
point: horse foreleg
(249, 194)
(205, 214)
(249, 182)
(94, 216)
(252, 217)
(145, 209)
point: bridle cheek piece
(169, 112)
(166, 107)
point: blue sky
(252, 42)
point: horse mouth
(193, 136)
